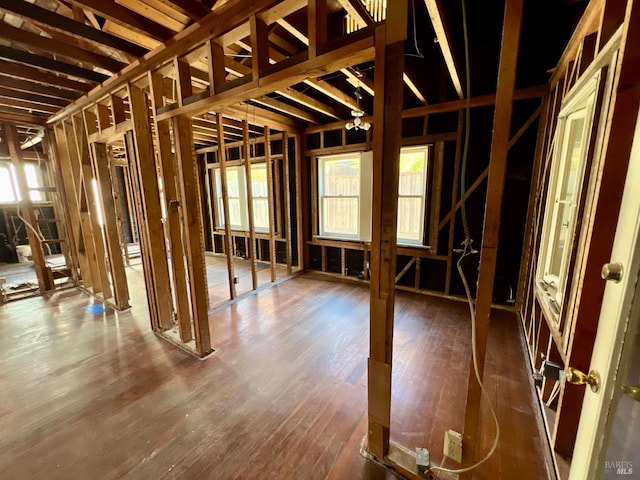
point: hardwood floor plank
(284, 396)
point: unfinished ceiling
(53, 51)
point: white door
(608, 440)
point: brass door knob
(632, 391)
(612, 272)
(576, 377)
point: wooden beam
(126, 17)
(480, 101)
(354, 52)
(182, 74)
(51, 65)
(271, 202)
(42, 16)
(191, 8)
(118, 275)
(30, 107)
(589, 23)
(218, 22)
(317, 26)
(252, 237)
(41, 76)
(146, 180)
(491, 228)
(87, 195)
(387, 133)
(216, 63)
(222, 159)
(287, 204)
(259, 46)
(44, 44)
(194, 239)
(58, 96)
(434, 8)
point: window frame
(423, 197)
(365, 176)
(585, 99)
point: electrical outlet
(453, 445)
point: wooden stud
(222, 159)
(252, 238)
(174, 218)
(387, 126)
(287, 203)
(118, 275)
(454, 196)
(259, 46)
(87, 177)
(436, 195)
(182, 72)
(300, 208)
(488, 254)
(216, 61)
(317, 14)
(116, 105)
(270, 199)
(146, 183)
(72, 199)
(194, 239)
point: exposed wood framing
(490, 233)
(228, 250)
(27, 212)
(389, 63)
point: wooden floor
(283, 397)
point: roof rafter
(31, 40)
(444, 42)
(42, 16)
(124, 16)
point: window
(411, 195)
(344, 187)
(568, 167)
(260, 192)
(344, 195)
(9, 192)
(237, 198)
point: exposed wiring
(418, 53)
(467, 251)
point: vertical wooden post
(491, 228)
(118, 275)
(191, 204)
(182, 73)
(146, 178)
(217, 72)
(45, 278)
(387, 127)
(222, 158)
(259, 46)
(251, 251)
(71, 197)
(454, 199)
(287, 202)
(300, 187)
(436, 194)
(72, 258)
(87, 176)
(317, 16)
(272, 216)
(172, 207)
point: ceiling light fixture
(357, 114)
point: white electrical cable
(467, 251)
